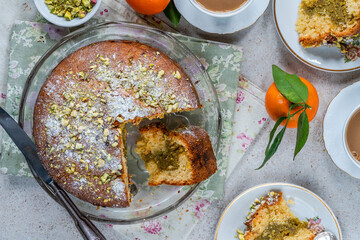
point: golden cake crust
(83, 105)
(201, 154)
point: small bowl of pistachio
(67, 13)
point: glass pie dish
(147, 202)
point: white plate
(222, 23)
(323, 58)
(60, 21)
(306, 205)
(339, 110)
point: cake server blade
(25, 145)
(87, 229)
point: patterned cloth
(243, 118)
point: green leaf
(172, 13)
(274, 146)
(273, 131)
(290, 86)
(302, 132)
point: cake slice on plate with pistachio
(271, 219)
(334, 22)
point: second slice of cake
(272, 219)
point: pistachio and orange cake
(329, 22)
(83, 106)
(270, 218)
(322, 20)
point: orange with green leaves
(292, 102)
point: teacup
(345, 136)
(219, 13)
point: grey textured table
(26, 212)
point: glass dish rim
(79, 32)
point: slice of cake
(327, 21)
(183, 156)
(271, 219)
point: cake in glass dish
(83, 106)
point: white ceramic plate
(306, 204)
(323, 58)
(60, 21)
(222, 23)
(338, 112)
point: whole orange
(278, 106)
(148, 7)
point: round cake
(82, 107)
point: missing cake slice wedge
(183, 156)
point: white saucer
(323, 58)
(222, 23)
(306, 204)
(334, 122)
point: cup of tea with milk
(220, 7)
(351, 136)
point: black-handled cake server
(87, 229)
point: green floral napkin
(28, 43)
(30, 40)
(238, 98)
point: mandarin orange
(278, 106)
(148, 7)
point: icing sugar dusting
(119, 188)
(127, 107)
(187, 130)
(53, 126)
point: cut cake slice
(327, 21)
(272, 219)
(183, 156)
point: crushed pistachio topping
(105, 178)
(177, 75)
(70, 9)
(146, 83)
(240, 234)
(160, 74)
(271, 198)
